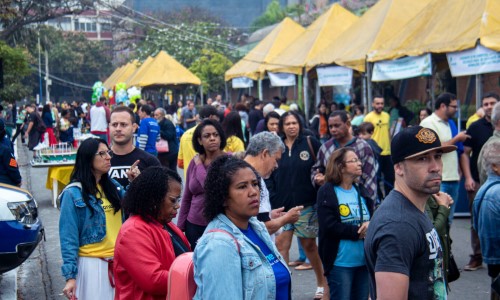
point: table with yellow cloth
(57, 178)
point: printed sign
(479, 60)
(332, 76)
(402, 68)
(281, 79)
(242, 82)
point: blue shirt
(149, 133)
(454, 132)
(351, 253)
(280, 271)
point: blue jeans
(451, 187)
(348, 283)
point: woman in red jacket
(148, 241)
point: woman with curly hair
(236, 251)
(149, 241)
(234, 134)
(89, 222)
(208, 141)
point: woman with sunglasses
(89, 222)
(344, 212)
(149, 241)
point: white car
(20, 228)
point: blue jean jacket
(221, 272)
(78, 228)
(487, 218)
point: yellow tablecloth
(61, 174)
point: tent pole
(226, 90)
(299, 91)
(364, 96)
(306, 96)
(260, 89)
(479, 90)
(369, 85)
(201, 94)
(318, 93)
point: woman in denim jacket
(89, 223)
(235, 258)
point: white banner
(479, 60)
(402, 68)
(281, 79)
(242, 82)
(331, 76)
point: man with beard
(402, 248)
(381, 121)
(446, 107)
(125, 155)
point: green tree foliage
(210, 67)
(15, 68)
(274, 13)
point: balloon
(97, 91)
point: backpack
(181, 274)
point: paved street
(40, 277)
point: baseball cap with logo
(414, 141)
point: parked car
(20, 228)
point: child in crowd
(365, 131)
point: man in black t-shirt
(479, 132)
(403, 254)
(125, 154)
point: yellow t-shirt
(471, 120)
(186, 150)
(381, 134)
(234, 144)
(106, 247)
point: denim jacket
(78, 228)
(486, 219)
(221, 272)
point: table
(56, 175)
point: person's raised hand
(134, 171)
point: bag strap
(484, 193)
(224, 231)
(313, 154)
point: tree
(15, 68)
(210, 68)
(15, 15)
(273, 14)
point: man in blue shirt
(149, 131)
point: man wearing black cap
(403, 253)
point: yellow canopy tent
(314, 39)
(445, 26)
(128, 70)
(165, 70)
(254, 63)
(107, 83)
(132, 80)
(383, 20)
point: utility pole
(48, 82)
(40, 66)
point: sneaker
(474, 263)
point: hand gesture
(293, 214)
(363, 229)
(134, 171)
(70, 289)
(319, 178)
(443, 199)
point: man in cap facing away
(403, 253)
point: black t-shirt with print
(120, 164)
(401, 239)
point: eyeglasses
(354, 160)
(103, 153)
(177, 199)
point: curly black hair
(219, 177)
(147, 192)
(197, 135)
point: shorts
(307, 225)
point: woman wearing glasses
(149, 241)
(90, 219)
(344, 212)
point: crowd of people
(369, 196)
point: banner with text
(403, 68)
(242, 82)
(479, 60)
(333, 76)
(281, 79)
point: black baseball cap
(414, 141)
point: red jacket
(143, 255)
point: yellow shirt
(186, 150)
(234, 144)
(450, 160)
(471, 120)
(381, 133)
(106, 247)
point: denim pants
(451, 187)
(348, 283)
